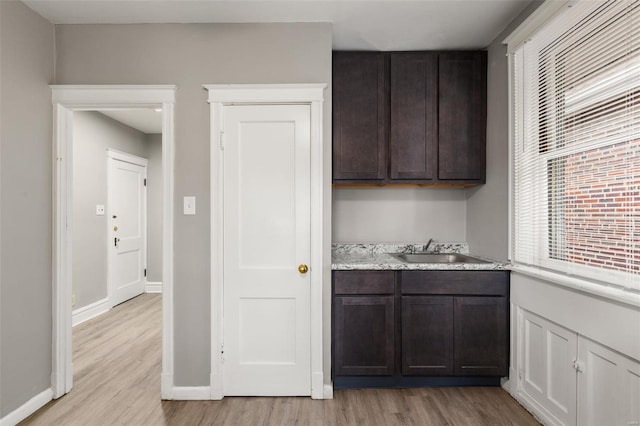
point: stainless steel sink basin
(436, 258)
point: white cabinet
(567, 379)
(547, 378)
(608, 386)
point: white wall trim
(66, 100)
(92, 310)
(153, 287)
(27, 409)
(271, 93)
(534, 22)
(574, 283)
(188, 393)
(536, 410)
(83, 97)
(308, 94)
(127, 158)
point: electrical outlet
(73, 300)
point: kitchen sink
(436, 258)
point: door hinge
(578, 366)
(145, 182)
(222, 353)
(221, 141)
(145, 272)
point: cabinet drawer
(363, 282)
(490, 283)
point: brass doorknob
(303, 269)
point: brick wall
(597, 223)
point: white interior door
(266, 240)
(127, 226)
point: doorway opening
(117, 208)
(107, 249)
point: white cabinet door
(608, 387)
(547, 378)
(267, 234)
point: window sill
(628, 297)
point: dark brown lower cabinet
(421, 323)
(480, 336)
(427, 336)
(364, 335)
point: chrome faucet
(426, 248)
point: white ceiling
(145, 120)
(357, 24)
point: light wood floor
(117, 382)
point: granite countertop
(350, 257)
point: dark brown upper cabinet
(409, 117)
(414, 116)
(359, 116)
(462, 118)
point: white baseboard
(85, 313)
(27, 409)
(507, 382)
(532, 406)
(328, 391)
(317, 385)
(153, 287)
(166, 386)
(216, 387)
(187, 393)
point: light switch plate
(189, 205)
(99, 210)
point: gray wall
(93, 134)
(488, 205)
(26, 70)
(190, 55)
(391, 214)
(154, 208)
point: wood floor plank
(117, 382)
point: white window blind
(577, 144)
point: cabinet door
(359, 116)
(608, 386)
(546, 374)
(481, 341)
(427, 335)
(462, 116)
(414, 115)
(364, 336)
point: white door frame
(67, 99)
(248, 94)
(125, 157)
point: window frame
(606, 281)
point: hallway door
(127, 204)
